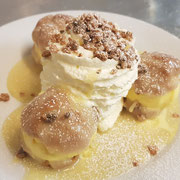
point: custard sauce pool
(110, 154)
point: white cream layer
(79, 74)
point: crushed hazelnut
(21, 153)
(80, 55)
(61, 31)
(49, 117)
(46, 53)
(4, 97)
(67, 115)
(98, 71)
(118, 67)
(152, 150)
(113, 71)
(103, 38)
(66, 50)
(135, 163)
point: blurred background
(162, 13)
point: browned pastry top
(158, 74)
(92, 32)
(48, 27)
(58, 122)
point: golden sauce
(23, 81)
(110, 154)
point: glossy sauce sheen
(110, 154)
(23, 80)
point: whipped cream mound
(95, 60)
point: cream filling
(91, 79)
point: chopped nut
(67, 115)
(98, 71)
(49, 117)
(46, 53)
(80, 55)
(101, 55)
(21, 153)
(61, 31)
(66, 50)
(135, 163)
(72, 45)
(4, 97)
(113, 71)
(153, 150)
(118, 66)
(175, 115)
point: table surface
(162, 13)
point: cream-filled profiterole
(89, 56)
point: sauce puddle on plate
(121, 148)
(24, 80)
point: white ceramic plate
(15, 39)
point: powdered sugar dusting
(158, 74)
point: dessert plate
(16, 41)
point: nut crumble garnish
(104, 39)
(175, 115)
(118, 67)
(61, 31)
(135, 163)
(49, 117)
(98, 71)
(4, 97)
(21, 153)
(67, 115)
(72, 45)
(80, 55)
(66, 50)
(46, 53)
(113, 71)
(152, 150)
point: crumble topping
(104, 39)
(46, 53)
(4, 97)
(49, 117)
(21, 153)
(152, 150)
(89, 31)
(135, 163)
